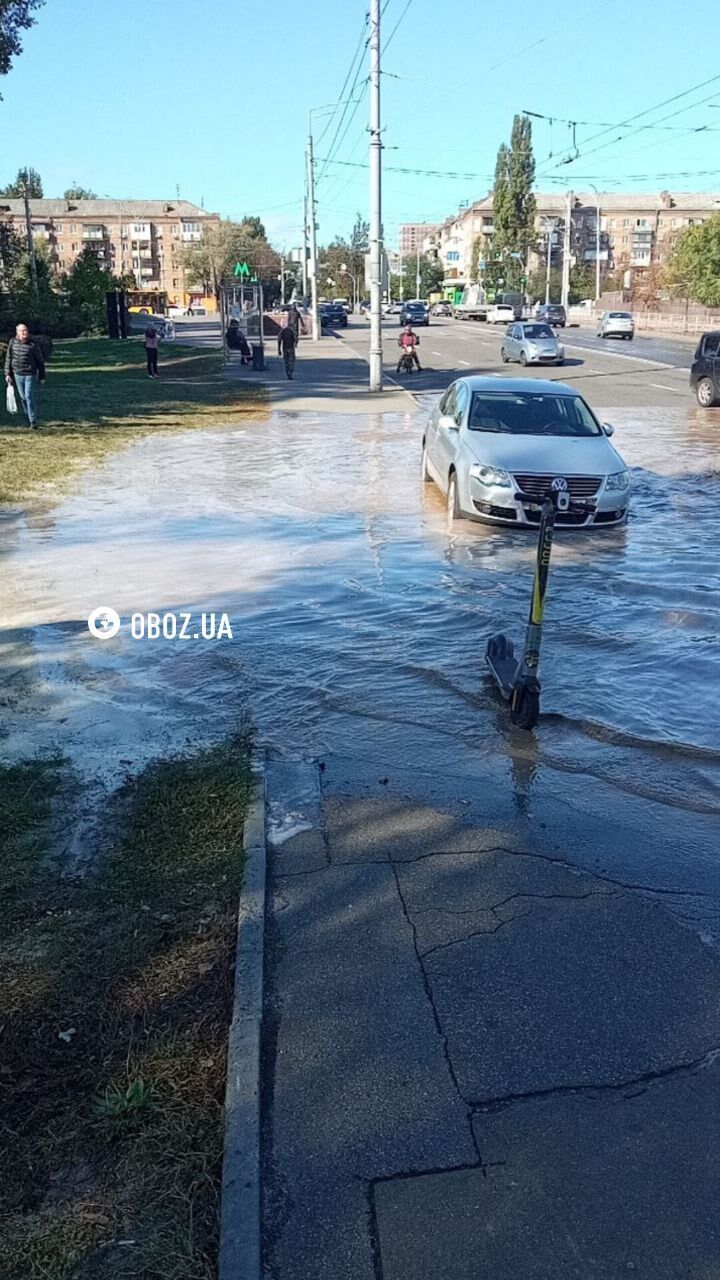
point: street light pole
(597, 241)
(31, 242)
(313, 241)
(566, 250)
(375, 203)
(417, 272)
(305, 247)
(550, 234)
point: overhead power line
(359, 49)
(641, 114)
(538, 115)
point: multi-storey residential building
(636, 230)
(144, 237)
(412, 235)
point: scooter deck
(500, 657)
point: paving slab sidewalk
(330, 377)
(480, 1061)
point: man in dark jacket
(25, 367)
(287, 342)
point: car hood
(579, 455)
(543, 344)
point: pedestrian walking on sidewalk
(287, 343)
(25, 369)
(293, 319)
(152, 344)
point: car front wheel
(504, 355)
(523, 358)
(453, 501)
(424, 467)
(706, 393)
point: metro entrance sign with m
(242, 270)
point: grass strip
(97, 398)
(114, 1015)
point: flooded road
(359, 624)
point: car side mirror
(608, 428)
(448, 423)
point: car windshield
(620, 315)
(528, 414)
(538, 331)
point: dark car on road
(705, 371)
(415, 312)
(552, 313)
(333, 315)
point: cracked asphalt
(482, 1060)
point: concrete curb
(240, 1246)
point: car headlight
(619, 480)
(493, 477)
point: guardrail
(651, 321)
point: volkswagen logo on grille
(559, 484)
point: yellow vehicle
(145, 302)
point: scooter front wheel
(525, 707)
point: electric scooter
(517, 678)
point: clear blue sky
(134, 99)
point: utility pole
(550, 234)
(417, 272)
(597, 242)
(282, 278)
(31, 245)
(566, 250)
(375, 203)
(313, 241)
(305, 247)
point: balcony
(93, 233)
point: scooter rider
(409, 343)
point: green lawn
(97, 397)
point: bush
(44, 342)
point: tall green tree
(431, 276)
(79, 193)
(694, 269)
(86, 285)
(15, 16)
(29, 178)
(513, 209)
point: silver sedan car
(532, 342)
(488, 441)
(616, 324)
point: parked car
(705, 371)
(501, 313)
(442, 309)
(617, 324)
(552, 314)
(333, 315)
(489, 440)
(415, 312)
(531, 342)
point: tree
(29, 178)
(694, 269)
(86, 285)
(253, 227)
(212, 259)
(513, 209)
(79, 193)
(15, 16)
(431, 276)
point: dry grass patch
(112, 1050)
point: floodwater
(359, 621)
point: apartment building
(144, 237)
(412, 235)
(637, 230)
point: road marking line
(466, 362)
(616, 355)
(661, 386)
(436, 353)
